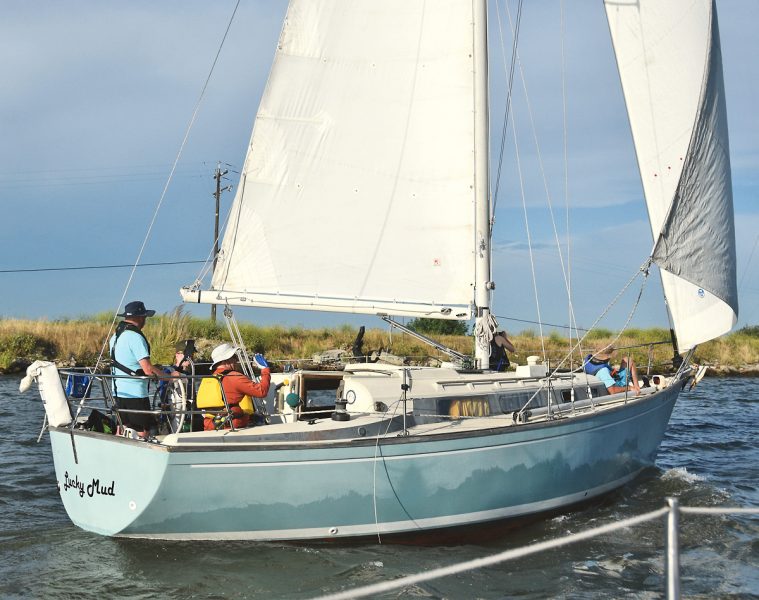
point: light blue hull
(328, 490)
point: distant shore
(78, 342)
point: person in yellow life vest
(238, 387)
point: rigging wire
(644, 269)
(748, 262)
(168, 182)
(507, 108)
(564, 267)
(562, 13)
(521, 183)
(529, 237)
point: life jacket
(121, 328)
(499, 360)
(593, 365)
(210, 396)
(116, 365)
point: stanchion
(673, 549)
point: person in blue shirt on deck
(130, 355)
(615, 380)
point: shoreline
(77, 342)
(19, 366)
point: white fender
(51, 391)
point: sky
(97, 97)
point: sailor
(615, 380)
(499, 360)
(130, 355)
(239, 389)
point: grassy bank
(79, 341)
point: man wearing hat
(236, 385)
(130, 355)
(615, 380)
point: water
(710, 457)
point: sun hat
(604, 353)
(222, 352)
(136, 309)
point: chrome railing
(98, 395)
(673, 510)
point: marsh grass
(79, 341)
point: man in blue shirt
(615, 380)
(130, 355)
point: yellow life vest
(209, 396)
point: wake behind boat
(376, 116)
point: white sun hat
(222, 352)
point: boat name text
(90, 489)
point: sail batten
(359, 178)
(669, 60)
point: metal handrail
(672, 510)
(108, 399)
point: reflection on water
(710, 457)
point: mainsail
(669, 60)
(357, 193)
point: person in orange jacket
(236, 385)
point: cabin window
(511, 402)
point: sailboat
(370, 156)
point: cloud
(97, 97)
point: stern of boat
(105, 482)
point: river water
(710, 457)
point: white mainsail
(357, 193)
(669, 60)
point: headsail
(357, 193)
(669, 59)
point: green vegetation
(81, 340)
(438, 327)
(749, 331)
(17, 346)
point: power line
(539, 323)
(155, 264)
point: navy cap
(136, 309)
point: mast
(483, 285)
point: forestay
(670, 64)
(357, 193)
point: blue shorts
(621, 377)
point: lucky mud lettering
(91, 489)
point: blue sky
(97, 97)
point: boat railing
(85, 396)
(672, 512)
(556, 375)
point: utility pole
(218, 174)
